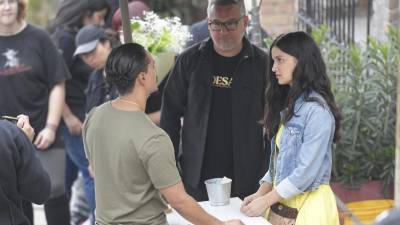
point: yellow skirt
(316, 208)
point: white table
(231, 211)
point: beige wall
(278, 16)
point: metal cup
(218, 191)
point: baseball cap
(87, 39)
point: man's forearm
(187, 206)
(192, 211)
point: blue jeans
(76, 153)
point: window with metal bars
(339, 15)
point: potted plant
(364, 83)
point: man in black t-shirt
(219, 161)
(218, 86)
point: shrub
(364, 83)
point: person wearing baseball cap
(70, 17)
(94, 44)
(87, 39)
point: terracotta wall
(278, 16)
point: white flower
(159, 35)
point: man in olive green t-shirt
(132, 159)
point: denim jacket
(304, 160)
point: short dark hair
(212, 3)
(124, 64)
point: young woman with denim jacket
(302, 120)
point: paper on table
(227, 212)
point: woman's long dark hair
(309, 75)
(71, 13)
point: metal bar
(331, 15)
(342, 206)
(314, 12)
(344, 17)
(343, 9)
(320, 14)
(339, 9)
(307, 9)
(353, 20)
(397, 146)
(339, 15)
(342, 20)
(325, 12)
(335, 18)
(368, 19)
(348, 21)
(299, 11)
(306, 15)
(126, 26)
(329, 12)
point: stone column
(384, 13)
(394, 12)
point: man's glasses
(229, 25)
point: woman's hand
(25, 126)
(45, 138)
(249, 199)
(256, 207)
(264, 189)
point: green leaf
(135, 25)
